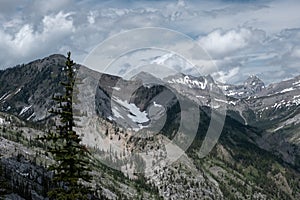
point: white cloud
(296, 52)
(225, 77)
(221, 43)
(91, 17)
(44, 7)
(27, 42)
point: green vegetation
(72, 159)
(4, 186)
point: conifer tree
(71, 158)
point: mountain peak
(56, 56)
(254, 83)
(253, 78)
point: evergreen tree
(72, 158)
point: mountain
(251, 86)
(145, 136)
(26, 90)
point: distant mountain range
(256, 157)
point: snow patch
(24, 110)
(287, 90)
(278, 128)
(18, 91)
(276, 105)
(139, 128)
(297, 83)
(296, 101)
(110, 118)
(282, 103)
(266, 108)
(116, 88)
(134, 112)
(190, 83)
(225, 101)
(231, 93)
(221, 100)
(215, 106)
(232, 103)
(116, 113)
(157, 105)
(31, 116)
(223, 87)
(5, 96)
(296, 97)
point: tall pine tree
(71, 158)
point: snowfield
(134, 112)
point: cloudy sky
(243, 37)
